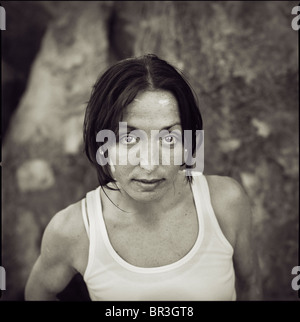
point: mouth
(148, 184)
(146, 181)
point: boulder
(241, 60)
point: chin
(145, 196)
(142, 195)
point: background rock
(240, 58)
(26, 25)
(34, 175)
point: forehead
(154, 109)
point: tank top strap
(91, 206)
(203, 194)
(90, 213)
(85, 216)
(203, 198)
(197, 194)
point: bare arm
(248, 282)
(53, 269)
(233, 210)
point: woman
(151, 230)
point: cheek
(122, 172)
(172, 156)
(171, 172)
(118, 155)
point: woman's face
(151, 146)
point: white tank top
(205, 273)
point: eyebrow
(132, 128)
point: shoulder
(66, 223)
(231, 205)
(226, 190)
(64, 231)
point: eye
(169, 140)
(128, 139)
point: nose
(148, 167)
(149, 156)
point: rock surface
(240, 58)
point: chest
(155, 243)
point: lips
(147, 181)
(147, 184)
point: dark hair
(117, 88)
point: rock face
(34, 175)
(241, 60)
(21, 40)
